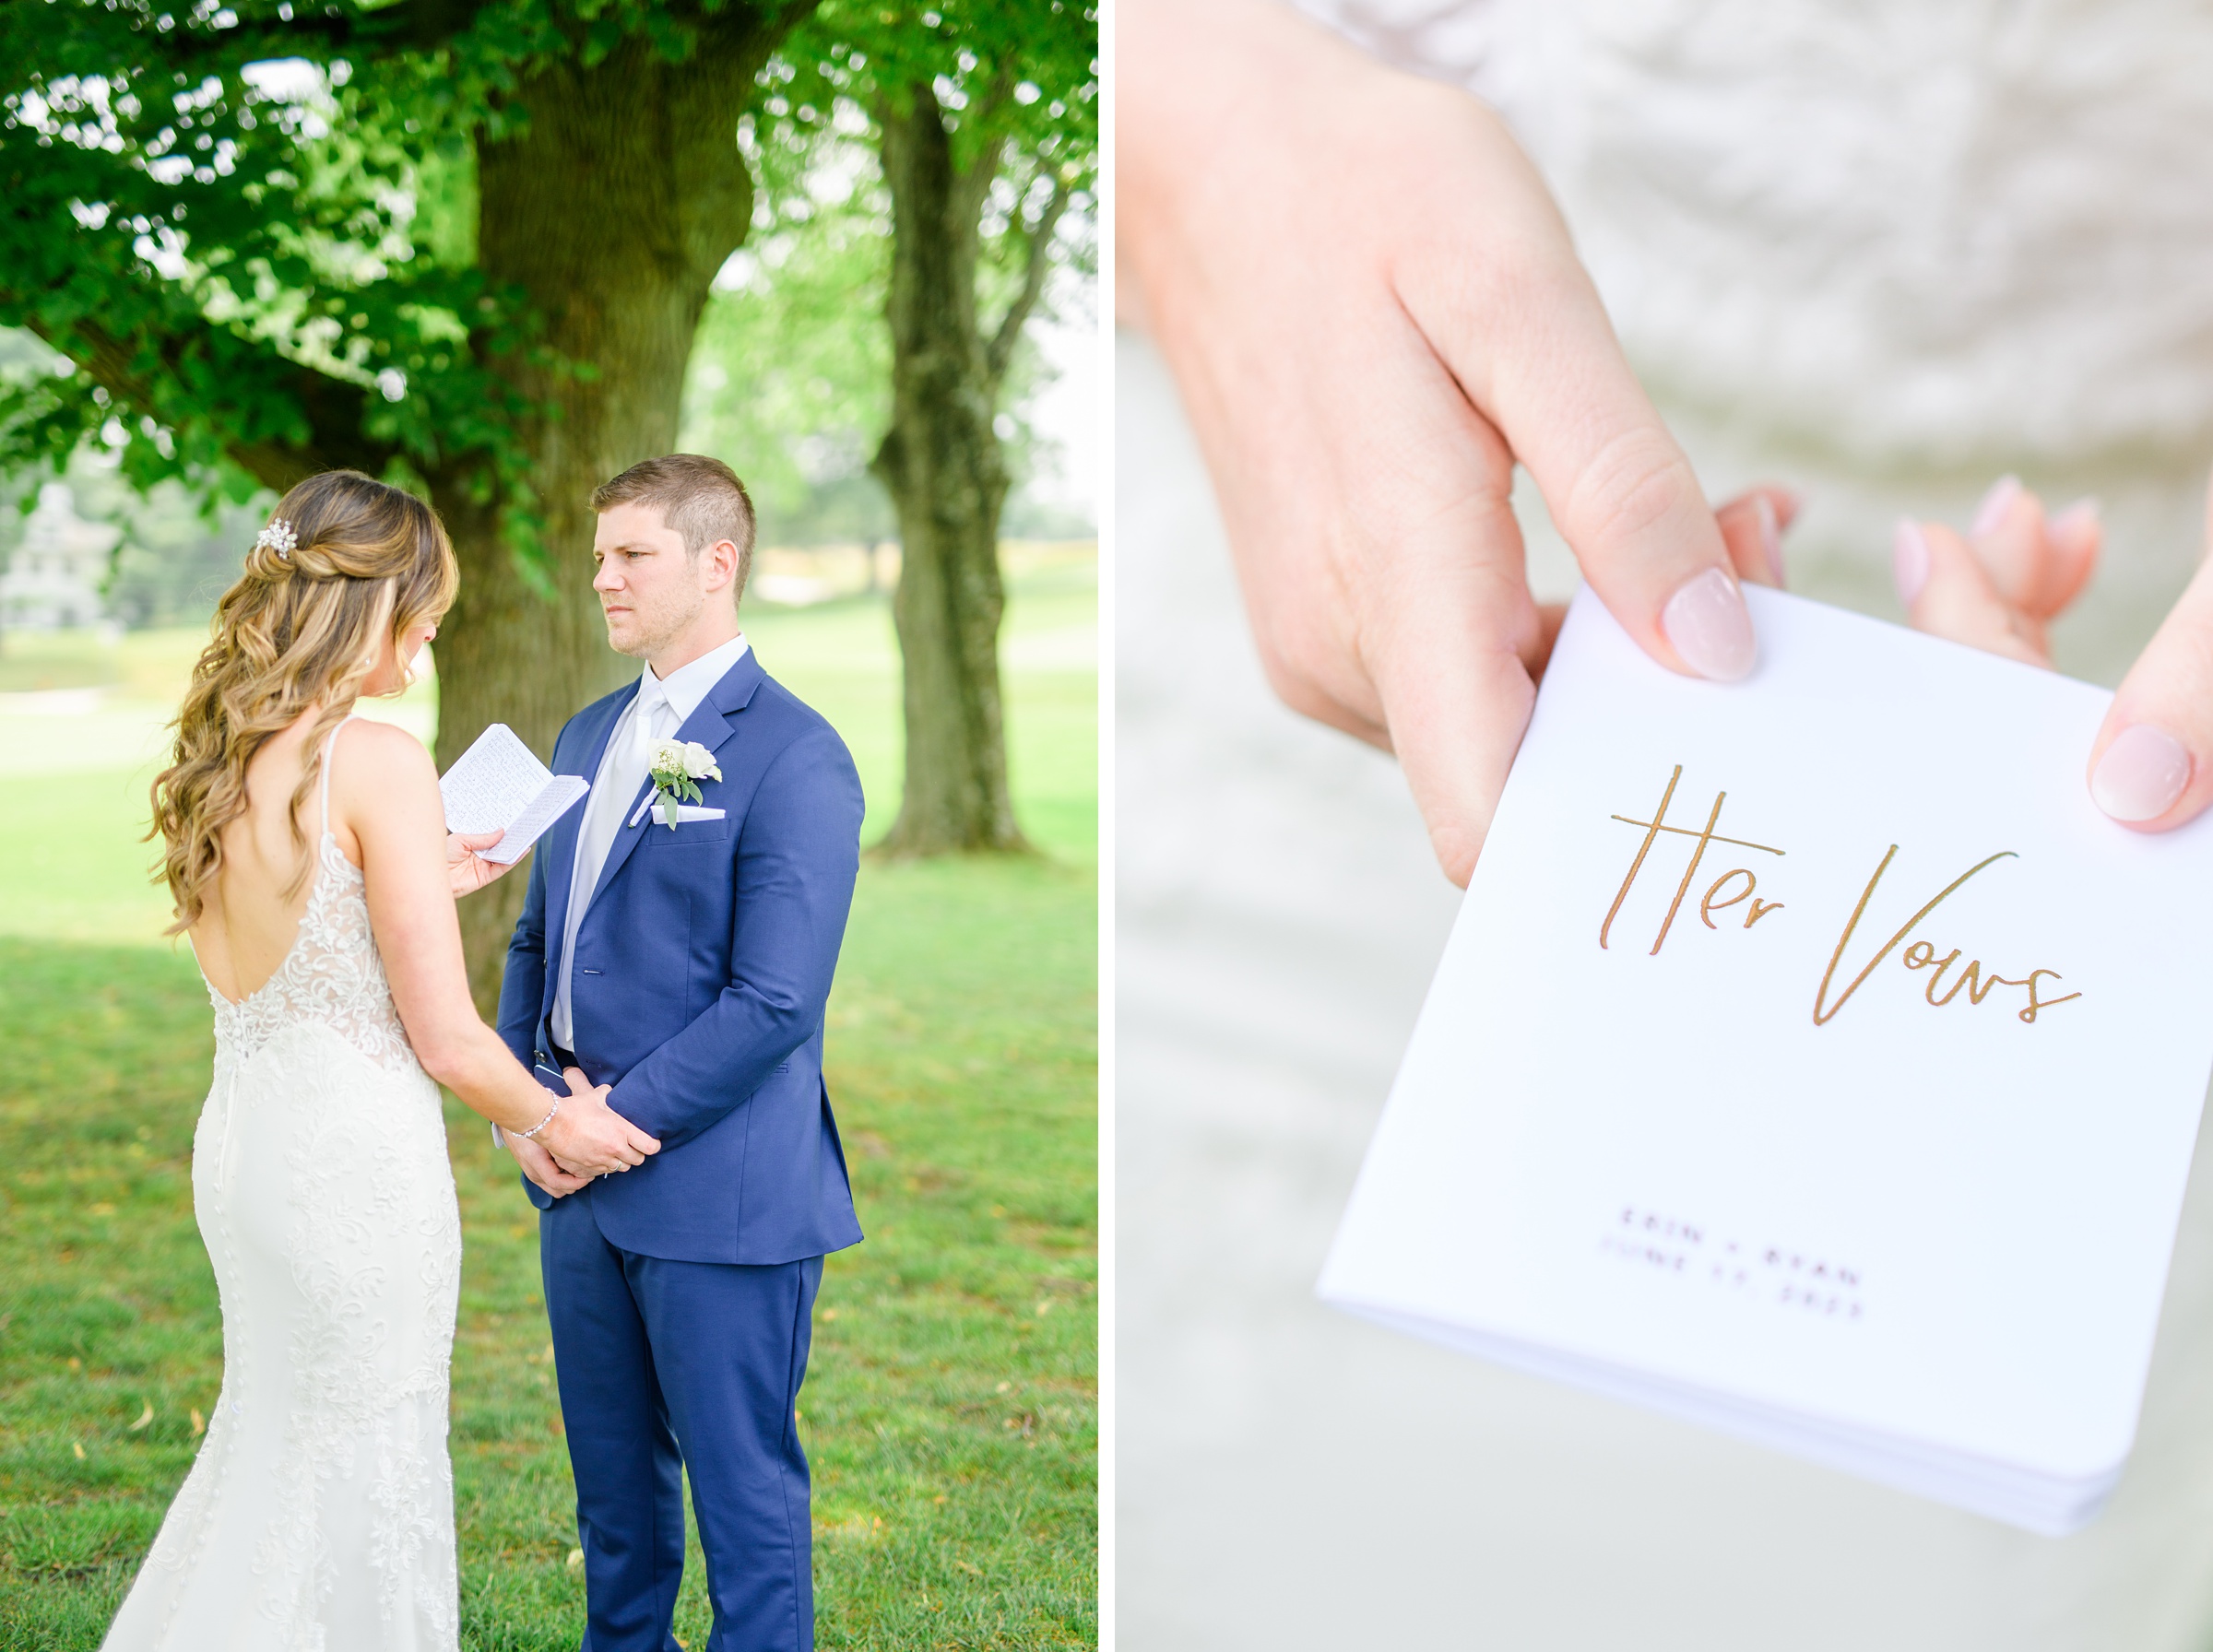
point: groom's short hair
(700, 498)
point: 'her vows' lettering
(1735, 887)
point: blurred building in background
(53, 578)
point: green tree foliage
(459, 243)
(467, 244)
(791, 378)
(984, 116)
(213, 219)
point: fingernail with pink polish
(1994, 505)
(1910, 559)
(2141, 774)
(1771, 536)
(2078, 517)
(1706, 622)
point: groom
(688, 967)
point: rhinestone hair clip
(278, 536)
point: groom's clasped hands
(585, 1138)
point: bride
(310, 865)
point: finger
(1949, 593)
(2038, 564)
(2078, 538)
(476, 842)
(2152, 766)
(1551, 616)
(1752, 526)
(1448, 637)
(580, 1086)
(2006, 534)
(2009, 539)
(1547, 370)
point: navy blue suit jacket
(704, 964)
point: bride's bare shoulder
(382, 772)
(384, 752)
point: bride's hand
(586, 1134)
(542, 1168)
(1374, 311)
(465, 867)
(1999, 585)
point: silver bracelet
(531, 1135)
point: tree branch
(1039, 265)
(332, 408)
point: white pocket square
(650, 806)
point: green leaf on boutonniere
(669, 790)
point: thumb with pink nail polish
(2140, 774)
(2148, 766)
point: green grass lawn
(951, 1407)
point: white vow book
(1813, 1060)
(498, 785)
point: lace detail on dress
(332, 975)
(318, 1516)
(369, 1420)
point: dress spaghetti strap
(330, 745)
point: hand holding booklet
(498, 785)
(1813, 1060)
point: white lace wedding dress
(318, 1516)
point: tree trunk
(941, 464)
(613, 207)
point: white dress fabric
(318, 1516)
(1881, 253)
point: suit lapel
(713, 723)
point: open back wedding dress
(319, 1515)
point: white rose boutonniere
(678, 767)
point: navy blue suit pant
(665, 1366)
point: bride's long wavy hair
(302, 628)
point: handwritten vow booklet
(498, 785)
(1810, 1059)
